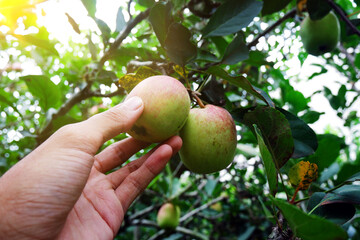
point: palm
(98, 212)
(100, 209)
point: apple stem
(198, 100)
(292, 201)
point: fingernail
(133, 103)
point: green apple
(166, 108)
(209, 140)
(320, 36)
(168, 216)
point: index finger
(117, 153)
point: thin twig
(76, 98)
(115, 45)
(354, 13)
(288, 15)
(143, 212)
(129, 8)
(179, 229)
(202, 207)
(339, 11)
(119, 91)
(83, 94)
(86, 91)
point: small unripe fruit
(166, 108)
(168, 216)
(217, 207)
(209, 140)
(320, 36)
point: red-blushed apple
(209, 140)
(168, 216)
(166, 108)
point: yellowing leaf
(301, 5)
(303, 174)
(181, 71)
(129, 81)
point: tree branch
(119, 91)
(86, 91)
(182, 230)
(115, 45)
(83, 94)
(339, 11)
(288, 15)
(143, 212)
(199, 209)
(76, 98)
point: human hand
(60, 190)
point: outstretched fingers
(117, 153)
(134, 179)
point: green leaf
(106, 77)
(336, 101)
(275, 131)
(213, 92)
(160, 18)
(271, 6)
(305, 141)
(242, 82)
(35, 40)
(220, 44)
(73, 23)
(327, 152)
(120, 20)
(295, 98)
(317, 9)
(267, 212)
(90, 6)
(357, 60)
(146, 3)
(336, 212)
(315, 74)
(104, 28)
(347, 170)
(130, 80)
(311, 116)
(247, 233)
(43, 88)
(210, 186)
(236, 51)
(344, 194)
(206, 56)
(178, 46)
(92, 48)
(309, 227)
(7, 98)
(269, 165)
(258, 59)
(329, 172)
(231, 17)
(353, 178)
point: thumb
(116, 120)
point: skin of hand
(61, 191)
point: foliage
(238, 54)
